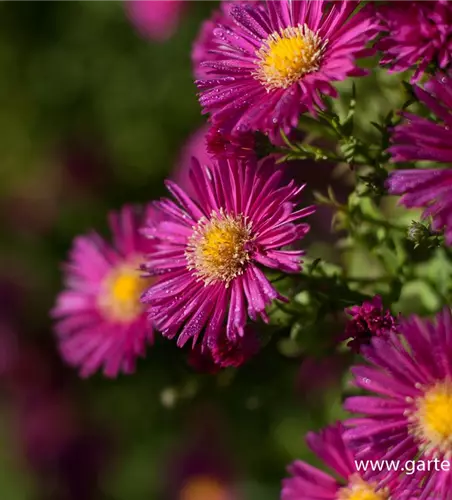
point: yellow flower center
(432, 419)
(287, 56)
(203, 488)
(358, 489)
(119, 297)
(218, 249)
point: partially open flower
(367, 321)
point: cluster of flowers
(409, 367)
(192, 267)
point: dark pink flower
(309, 483)
(205, 45)
(209, 254)
(265, 64)
(100, 320)
(367, 321)
(419, 138)
(424, 139)
(408, 415)
(416, 34)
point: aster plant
(245, 263)
(425, 139)
(308, 483)
(409, 415)
(213, 247)
(262, 64)
(415, 38)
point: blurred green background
(93, 115)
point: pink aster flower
(266, 64)
(423, 139)
(409, 414)
(100, 319)
(209, 254)
(367, 321)
(417, 36)
(155, 19)
(205, 45)
(310, 483)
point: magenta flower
(423, 139)
(100, 320)
(205, 45)
(266, 64)
(209, 254)
(155, 19)
(416, 37)
(367, 321)
(410, 415)
(309, 483)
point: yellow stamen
(286, 56)
(432, 419)
(203, 488)
(218, 250)
(358, 489)
(119, 295)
